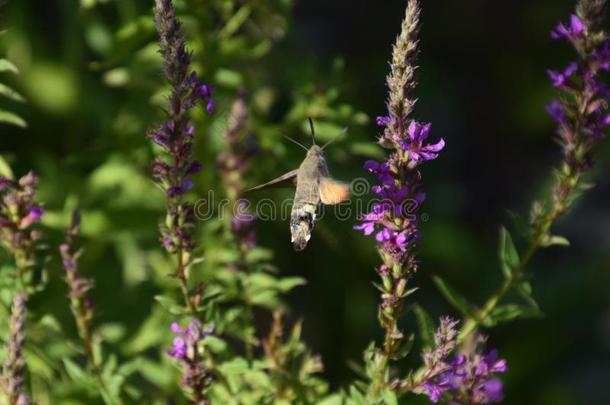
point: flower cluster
(14, 364)
(80, 301)
(195, 376)
(393, 219)
(18, 214)
(581, 114)
(464, 378)
(174, 170)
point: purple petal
(493, 389)
(576, 25)
(435, 147)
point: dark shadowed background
(483, 87)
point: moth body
(313, 186)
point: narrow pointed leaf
(7, 66)
(509, 258)
(8, 92)
(555, 240)
(10, 118)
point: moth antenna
(298, 143)
(341, 135)
(313, 132)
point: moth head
(315, 150)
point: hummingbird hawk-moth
(313, 185)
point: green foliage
(6, 91)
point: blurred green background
(91, 77)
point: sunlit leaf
(8, 66)
(11, 118)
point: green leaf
(288, 283)
(389, 397)
(524, 289)
(425, 326)
(509, 258)
(170, 305)
(11, 118)
(551, 240)
(509, 312)
(257, 255)
(405, 348)
(8, 92)
(455, 298)
(228, 78)
(5, 168)
(74, 371)
(7, 66)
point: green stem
(515, 276)
(181, 273)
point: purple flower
(383, 120)
(180, 189)
(202, 92)
(493, 390)
(417, 134)
(34, 214)
(435, 390)
(381, 170)
(561, 78)
(462, 377)
(555, 110)
(575, 29)
(602, 55)
(178, 349)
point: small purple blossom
(381, 170)
(34, 214)
(555, 110)
(575, 29)
(560, 79)
(414, 144)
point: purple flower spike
(393, 215)
(463, 378)
(172, 171)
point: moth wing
(333, 191)
(286, 180)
